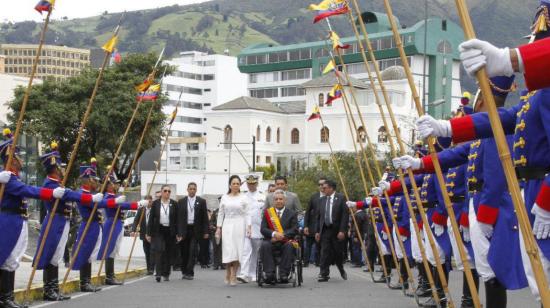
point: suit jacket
(340, 214)
(312, 212)
(153, 227)
(200, 223)
(292, 202)
(289, 222)
(143, 225)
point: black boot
(467, 301)
(7, 281)
(86, 279)
(48, 291)
(423, 289)
(110, 278)
(495, 294)
(432, 303)
(55, 284)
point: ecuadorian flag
(316, 114)
(334, 94)
(151, 94)
(44, 6)
(329, 8)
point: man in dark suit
(193, 215)
(310, 225)
(274, 240)
(162, 230)
(332, 229)
(292, 201)
(142, 230)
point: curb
(73, 285)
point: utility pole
(253, 153)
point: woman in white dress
(232, 226)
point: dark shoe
(112, 282)
(157, 278)
(216, 268)
(423, 291)
(62, 297)
(8, 303)
(242, 279)
(166, 278)
(149, 273)
(50, 296)
(203, 266)
(283, 279)
(270, 278)
(466, 302)
(187, 277)
(87, 288)
(343, 273)
(323, 279)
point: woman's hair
(231, 180)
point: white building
(203, 81)
(8, 83)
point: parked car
(129, 221)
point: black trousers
(332, 250)
(310, 244)
(187, 250)
(163, 258)
(204, 250)
(287, 257)
(148, 259)
(216, 251)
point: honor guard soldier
(113, 185)
(58, 234)
(492, 222)
(13, 219)
(91, 242)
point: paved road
(208, 290)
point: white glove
(384, 236)
(396, 162)
(144, 202)
(541, 226)
(377, 191)
(59, 192)
(5, 177)
(428, 126)
(438, 229)
(351, 204)
(403, 238)
(368, 200)
(120, 199)
(384, 185)
(408, 161)
(486, 229)
(475, 54)
(465, 234)
(97, 198)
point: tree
(55, 110)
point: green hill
(233, 24)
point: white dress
(233, 217)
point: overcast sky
(20, 10)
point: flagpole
(134, 161)
(157, 168)
(15, 138)
(94, 209)
(72, 158)
(504, 153)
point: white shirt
(165, 213)
(147, 213)
(331, 201)
(191, 210)
(256, 203)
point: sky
(21, 10)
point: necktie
(279, 214)
(327, 212)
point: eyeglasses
(168, 191)
(321, 184)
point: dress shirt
(330, 201)
(280, 214)
(165, 214)
(191, 210)
(147, 213)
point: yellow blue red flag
(334, 94)
(336, 43)
(316, 114)
(44, 6)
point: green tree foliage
(269, 171)
(56, 108)
(304, 182)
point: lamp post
(253, 143)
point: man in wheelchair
(279, 228)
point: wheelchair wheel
(259, 276)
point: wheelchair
(295, 276)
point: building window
(325, 134)
(227, 137)
(278, 135)
(257, 159)
(382, 135)
(268, 160)
(292, 91)
(265, 93)
(321, 102)
(295, 136)
(258, 133)
(192, 163)
(175, 160)
(192, 147)
(361, 134)
(190, 120)
(296, 74)
(444, 47)
(268, 134)
(175, 146)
